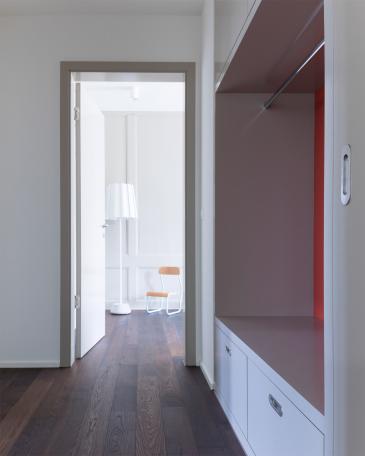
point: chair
(163, 294)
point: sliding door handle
(346, 175)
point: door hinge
(76, 113)
(77, 302)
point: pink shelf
(268, 54)
(291, 346)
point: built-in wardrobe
(290, 225)
(269, 230)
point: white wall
(147, 150)
(207, 196)
(144, 124)
(31, 49)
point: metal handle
(276, 405)
(346, 175)
(77, 302)
(105, 225)
(229, 351)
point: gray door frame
(191, 228)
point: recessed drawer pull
(229, 351)
(275, 405)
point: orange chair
(163, 294)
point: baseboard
(140, 305)
(207, 377)
(29, 364)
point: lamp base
(120, 308)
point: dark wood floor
(130, 395)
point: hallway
(130, 395)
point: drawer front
(275, 426)
(231, 378)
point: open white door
(91, 225)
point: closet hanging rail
(295, 73)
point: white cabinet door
(237, 385)
(344, 279)
(221, 364)
(231, 378)
(275, 426)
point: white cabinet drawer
(275, 426)
(231, 378)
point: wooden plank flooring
(130, 395)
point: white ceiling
(29, 7)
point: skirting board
(29, 364)
(138, 305)
(207, 376)
(239, 434)
(134, 305)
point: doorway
(98, 77)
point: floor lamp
(121, 205)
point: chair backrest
(172, 271)
(169, 270)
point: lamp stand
(120, 308)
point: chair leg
(150, 311)
(174, 311)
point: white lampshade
(120, 201)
